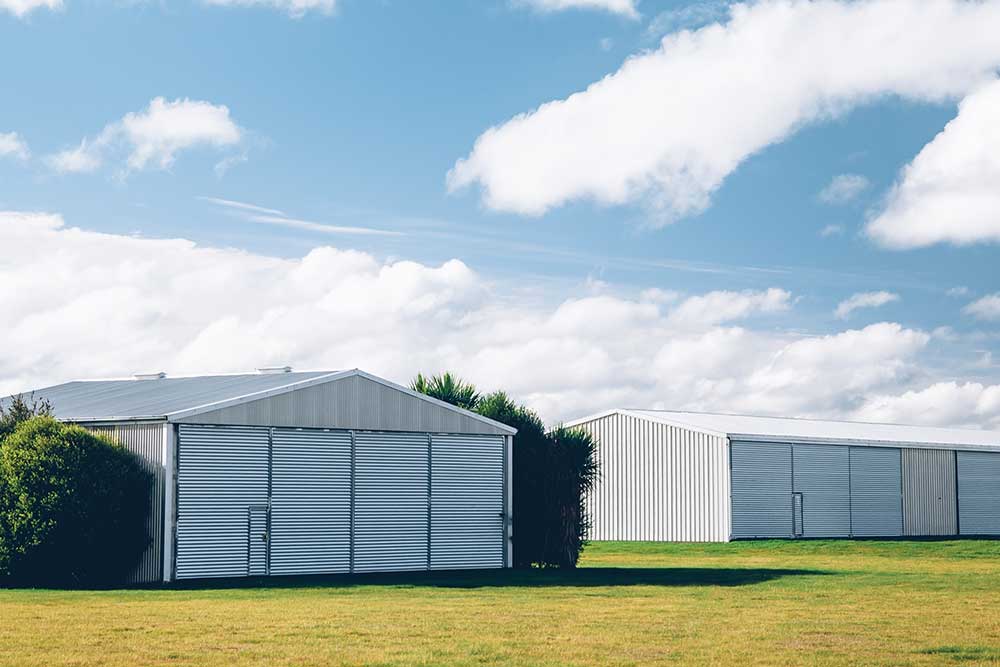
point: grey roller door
(822, 477)
(391, 498)
(761, 489)
(876, 492)
(979, 493)
(310, 501)
(467, 501)
(929, 499)
(221, 475)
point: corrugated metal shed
(788, 429)
(321, 399)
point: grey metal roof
(792, 429)
(173, 398)
(89, 400)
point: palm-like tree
(448, 388)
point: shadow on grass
(588, 577)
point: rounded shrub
(73, 506)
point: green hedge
(73, 506)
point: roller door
(222, 484)
(310, 501)
(876, 492)
(391, 515)
(467, 483)
(979, 493)
(822, 481)
(929, 494)
(761, 490)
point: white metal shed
(686, 476)
(281, 473)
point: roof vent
(271, 370)
(150, 376)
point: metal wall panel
(222, 472)
(145, 440)
(467, 509)
(821, 473)
(656, 482)
(351, 403)
(391, 487)
(876, 492)
(762, 490)
(310, 501)
(930, 503)
(979, 493)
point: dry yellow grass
(775, 603)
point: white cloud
(271, 216)
(843, 189)
(687, 17)
(722, 306)
(670, 125)
(11, 145)
(197, 309)
(961, 290)
(863, 300)
(831, 230)
(21, 8)
(941, 404)
(950, 193)
(986, 308)
(294, 8)
(154, 136)
(621, 7)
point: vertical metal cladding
(930, 503)
(822, 477)
(657, 482)
(762, 490)
(145, 440)
(467, 487)
(876, 492)
(310, 501)
(391, 501)
(222, 473)
(979, 493)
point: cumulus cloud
(11, 145)
(83, 304)
(843, 188)
(690, 16)
(863, 300)
(620, 7)
(21, 8)
(670, 125)
(950, 193)
(722, 306)
(986, 308)
(941, 404)
(154, 136)
(831, 230)
(294, 8)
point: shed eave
(99, 420)
(870, 442)
(646, 417)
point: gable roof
(793, 429)
(174, 398)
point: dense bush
(550, 474)
(73, 506)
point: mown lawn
(777, 603)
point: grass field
(780, 603)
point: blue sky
(354, 117)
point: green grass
(775, 603)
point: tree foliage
(21, 409)
(73, 506)
(550, 474)
(448, 388)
